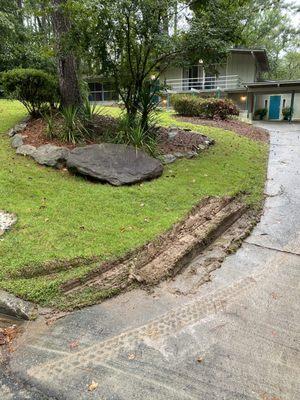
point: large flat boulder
(117, 164)
(52, 156)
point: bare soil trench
(170, 253)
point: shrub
(219, 108)
(261, 113)
(211, 108)
(187, 105)
(287, 113)
(34, 88)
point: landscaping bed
(66, 224)
(35, 134)
(241, 128)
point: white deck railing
(208, 83)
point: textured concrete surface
(236, 337)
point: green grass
(62, 217)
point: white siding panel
(243, 65)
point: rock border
(56, 156)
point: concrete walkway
(236, 337)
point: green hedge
(34, 88)
(208, 108)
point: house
(240, 79)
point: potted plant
(261, 113)
(287, 113)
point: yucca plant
(73, 129)
(131, 132)
(48, 118)
(89, 111)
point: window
(96, 90)
(102, 92)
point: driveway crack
(272, 248)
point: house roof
(282, 83)
(260, 55)
(265, 87)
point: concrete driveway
(236, 337)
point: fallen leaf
(199, 359)
(73, 344)
(93, 386)
(2, 339)
(274, 295)
(131, 356)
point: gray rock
(16, 307)
(173, 132)
(52, 156)
(26, 150)
(6, 221)
(202, 147)
(191, 154)
(17, 129)
(11, 132)
(17, 140)
(117, 164)
(179, 155)
(168, 158)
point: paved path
(236, 337)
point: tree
(21, 44)
(269, 25)
(136, 41)
(289, 66)
(67, 66)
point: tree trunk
(66, 61)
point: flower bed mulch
(239, 127)
(184, 141)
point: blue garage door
(274, 112)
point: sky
(296, 19)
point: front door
(194, 78)
(274, 111)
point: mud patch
(200, 270)
(165, 256)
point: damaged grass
(62, 217)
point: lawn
(61, 217)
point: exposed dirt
(184, 141)
(194, 236)
(239, 127)
(200, 270)
(167, 254)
